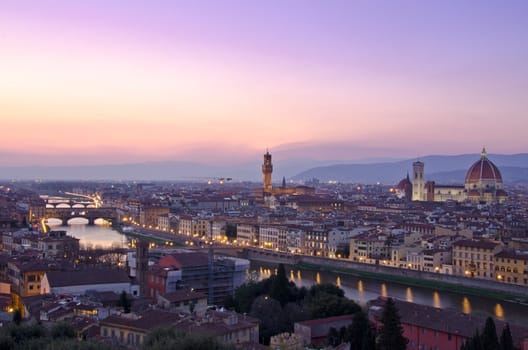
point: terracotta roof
(183, 295)
(512, 254)
(483, 169)
(476, 244)
(84, 277)
(326, 320)
(148, 320)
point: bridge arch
(78, 220)
(54, 222)
(78, 205)
(62, 205)
(102, 221)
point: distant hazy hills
(442, 169)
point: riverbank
(414, 282)
(434, 281)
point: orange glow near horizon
(176, 81)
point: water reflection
(408, 295)
(318, 278)
(436, 300)
(466, 306)
(499, 311)
(299, 275)
(338, 281)
(91, 236)
(360, 287)
(383, 290)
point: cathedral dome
(483, 170)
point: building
(267, 185)
(316, 331)
(185, 301)
(148, 215)
(404, 189)
(78, 282)
(217, 277)
(273, 237)
(286, 341)
(483, 184)
(247, 234)
(186, 225)
(474, 258)
(59, 245)
(369, 247)
(418, 184)
(317, 242)
(427, 327)
(511, 266)
(226, 326)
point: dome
(404, 184)
(483, 170)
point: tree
(17, 317)
(506, 340)
(62, 330)
(369, 340)
(489, 336)
(279, 286)
(272, 318)
(357, 330)
(391, 333)
(323, 304)
(333, 338)
(124, 302)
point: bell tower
(267, 169)
(418, 183)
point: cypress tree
(506, 340)
(279, 286)
(391, 333)
(489, 336)
(357, 330)
(369, 340)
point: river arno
(362, 290)
(92, 236)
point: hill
(442, 169)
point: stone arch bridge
(91, 214)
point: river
(99, 235)
(362, 290)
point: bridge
(91, 214)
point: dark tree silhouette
(357, 330)
(391, 333)
(17, 317)
(489, 336)
(279, 286)
(506, 340)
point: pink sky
(85, 82)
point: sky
(110, 82)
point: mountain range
(446, 169)
(440, 168)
